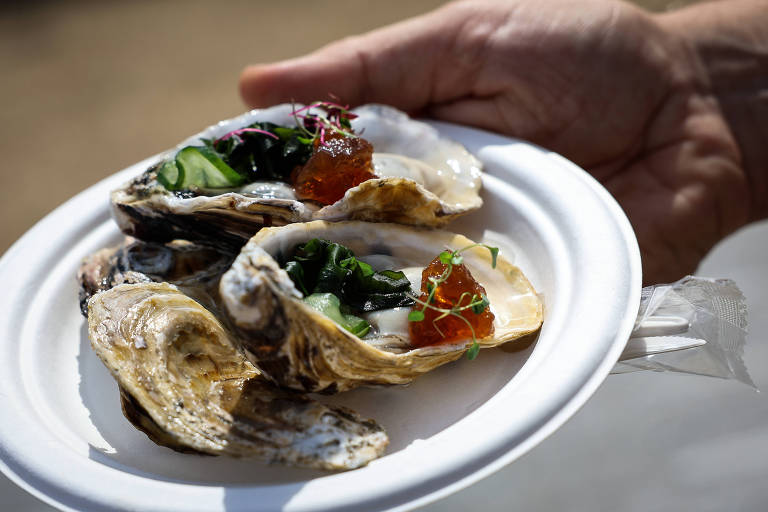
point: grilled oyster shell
(424, 180)
(185, 385)
(300, 348)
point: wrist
(728, 44)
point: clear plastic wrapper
(696, 326)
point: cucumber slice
(168, 175)
(329, 305)
(201, 167)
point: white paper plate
(64, 439)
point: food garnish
(259, 152)
(453, 305)
(330, 305)
(337, 284)
(321, 156)
(336, 165)
(336, 120)
(197, 167)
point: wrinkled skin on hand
(603, 83)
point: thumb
(399, 65)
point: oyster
(196, 269)
(423, 179)
(301, 348)
(185, 385)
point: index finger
(399, 65)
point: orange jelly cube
(448, 294)
(334, 167)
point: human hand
(601, 82)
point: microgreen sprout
(476, 302)
(246, 130)
(331, 118)
(315, 121)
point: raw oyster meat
(423, 179)
(300, 348)
(186, 386)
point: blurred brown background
(89, 88)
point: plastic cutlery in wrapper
(696, 325)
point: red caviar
(448, 295)
(336, 165)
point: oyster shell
(186, 386)
(196, 269)
(300, 348)
(424, 179)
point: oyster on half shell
(422, 179)
(300, 348)
(187, 387)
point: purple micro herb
(246, 130)
(315, 126)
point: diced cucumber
(200, 167)
(329, 305)
(168, 175)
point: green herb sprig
(477, 303)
